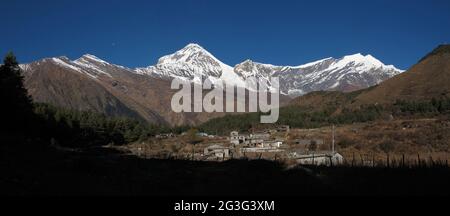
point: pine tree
(16, 106)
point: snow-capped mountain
(88, 64)
(193, 61)
(90, 83)
(349, 73)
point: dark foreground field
(40, 171)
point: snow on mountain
(88, 64)
(65, 62)
(191, 61)
(312, 63)
(362, 63)
(349, 73)
(93, 65)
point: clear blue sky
(136, 33)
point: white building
(323, 159)
(250, 140)
(260, 150)
(217, 151)
(263, 136)
(235, 139)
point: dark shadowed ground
(43, 171)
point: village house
(257, 142)
(262, 136)
(234, 138)
(264, 146)
(217, 151)
(248, 139)
(274, 144)
(165, 136)
(253, 142)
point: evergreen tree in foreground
(16, 108)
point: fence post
(418, 160)
(387, 161)
(353, 159)
(373, 160)
(403, 160)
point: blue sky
(136, 33)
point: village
(279, 143)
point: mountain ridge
(349, 73)
(426, 80)
(146, 92)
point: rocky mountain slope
(89, 83)
(427, 79)
(85, 84)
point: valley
(106, 129)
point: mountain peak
(247, 62)
(64, 58)
(190, 54)
(193, 60)
(91, 58)
(358, 59)
(193, 46)
(356, 55)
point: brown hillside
(327, 99)
(430, 78)
(49, 84)
(427, 79)
(121, 93)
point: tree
(313, 146)
(16, 108)
(193, 139)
